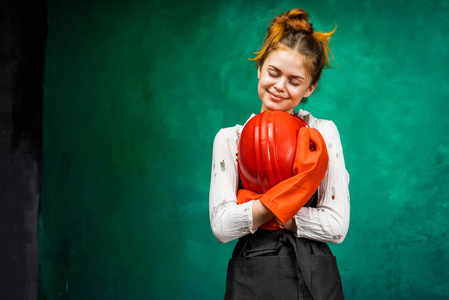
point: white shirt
(328, 222)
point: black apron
(274, 264)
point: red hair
(293, 30)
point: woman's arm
(228, 220)
(329, 221)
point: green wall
(135, 92)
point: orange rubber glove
(286, 198)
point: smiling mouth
(276, 97)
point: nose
(280, 85)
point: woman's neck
(264, 108)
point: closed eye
(273, 74)
(295, 83)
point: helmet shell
(267, 148)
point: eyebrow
(294, 76)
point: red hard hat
(267, 149)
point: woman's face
(283, 81)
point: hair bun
(293, 30)
(295, 20)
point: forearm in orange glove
(287, 197)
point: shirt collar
(303, 114)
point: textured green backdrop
(135, 92)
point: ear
(258, 72)
(310, 90)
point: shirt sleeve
(228, 220)
(329, 221)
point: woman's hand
(291, 225)
(261, 214)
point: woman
(288, 259)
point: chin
(275, 106)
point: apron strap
(302, 258)
(260, 252)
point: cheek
(264, 85)
(265, 81)
(298, 92)
(261, 88)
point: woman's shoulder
(227, 132)
(325, 127)
(227, 136)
